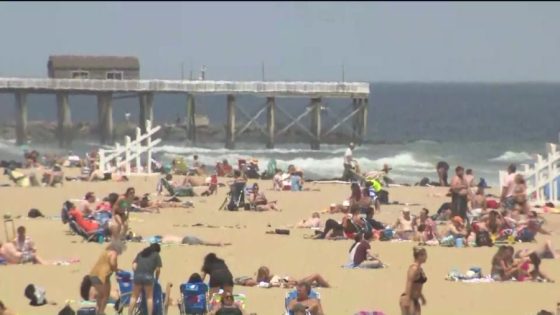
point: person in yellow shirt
(20, 179)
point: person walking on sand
(415, 279)
(348, 173)
(459, 194)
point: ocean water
(411, 127)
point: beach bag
(483, 239)
(67, 310)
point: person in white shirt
(507, 199)
(348, 159)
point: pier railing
(542, 177)
(273, 88)
(122, 156)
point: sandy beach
(352, 290)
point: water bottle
(101, 239)
(459, 242)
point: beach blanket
(486, 279)
(350, 265)
(66, 262)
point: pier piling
(21, 117)
(190, 118)
(64, 120)
(270, 121)
(230, 125)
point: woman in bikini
(259, 201)
(412, 297)
(504, 267)
(120, 213)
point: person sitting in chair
(304, 301)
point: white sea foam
(510, 156)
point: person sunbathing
(493, 222)
(303, 301)
(535, 274)
(363, 257)
(11, 255)
(227, 306)
(527, 229)
(455, 230)
(544, 251)
(146, 204)
(88, 205)
(90, 226)
(259, 201)
(53, 176)
(404, 226)
(186, 240)
(264, 275)
(194, 181)
(426, 230)
(504, 267)
(351, 224)
(25, 245)
(313, 222)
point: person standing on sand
(442, 168)
(146, 267)
(459, 194)
(415, 279)
(507, 199)
(348, 159)
(100, 275)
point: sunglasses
(228, 297)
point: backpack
(483, 239)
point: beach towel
(369, 313)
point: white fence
(543, 176)
(265, 88)
(121, 156)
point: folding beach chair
(292, 295)
(194, 299)
(236, 197)
(124, 280)
(6, 229)
(177, 191)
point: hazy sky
(296, 40)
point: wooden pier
(105, 90)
